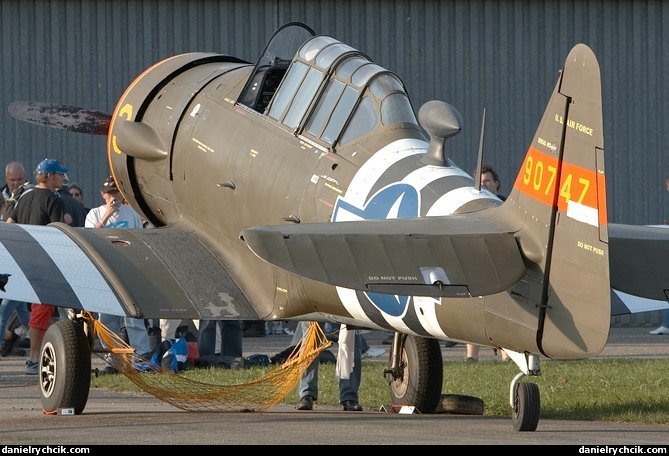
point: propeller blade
(70, 118)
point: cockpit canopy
(330, 93)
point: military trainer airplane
(305, 187)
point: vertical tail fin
(559, 198)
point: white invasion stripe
(638, 304)
(82, 274)
(370, 172)
(350, 300)
(18, 287)
(426, 311)
(425, 175)
(452, 201)
(346, 216)
(583, 213)
(398, 323)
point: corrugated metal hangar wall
(500, 55)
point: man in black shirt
(40, 205)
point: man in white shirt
(112, 214)
(115, 214)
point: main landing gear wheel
(65, 367)
(420, 376)
(526, 407)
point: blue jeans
(348, 388)
(138, 336)
(231, 338)
(7, 308)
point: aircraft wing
(144, 273)
(639, 257)
(455, 256)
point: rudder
(559, 198)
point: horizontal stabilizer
(639, 256)
(453, 256)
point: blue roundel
(398, 200)
(394, 305)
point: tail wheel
(526, 407)
(421, 375)
(65, 367)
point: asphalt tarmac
(113, 418)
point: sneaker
(373, 352)
(306, 403)
(31, 368)
(25, 343)
(662, 330)
(8, 347)
(469, 359)
(351, 406)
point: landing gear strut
(415, 373)
(415, 376)
(524, 396)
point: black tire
(65, 367)
(459, 404)
(526, 407)
(421, 375)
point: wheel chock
(399, 408)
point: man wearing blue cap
(39, 205)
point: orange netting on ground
(184, 393)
